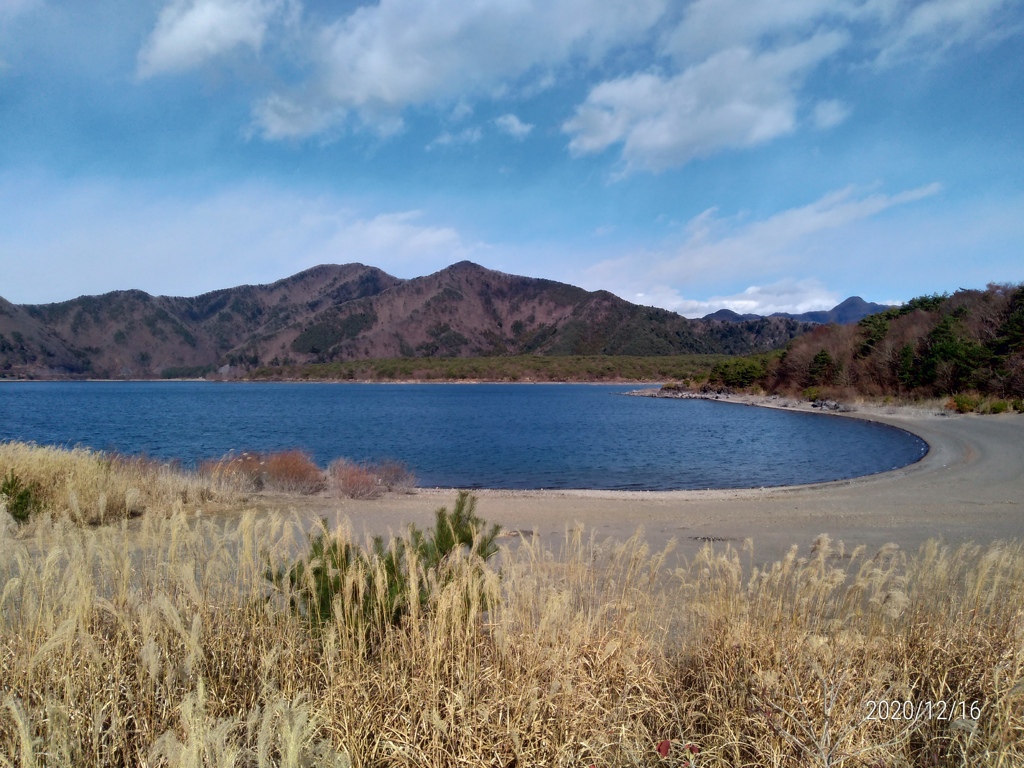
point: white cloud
(91, 237)
(736, 98)
(513, 126)
(830, 113)
(190, 32)
(385, 57)
(930, 28)
(709, 26)
(741, 66)
(716, 246)
(470, 135)
(900, 27)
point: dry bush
(288, 471)
(242, 471)
(354, 481)
(369, 481)
(93, 486)
(292, 472)
(170, 648)
(395, 476)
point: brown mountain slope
(30, 347)
(130, 334)
(356, 312)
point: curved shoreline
(888, 416)
(969, 486)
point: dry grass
(168, 647)
(94, 486)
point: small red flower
(663, 747)
(694, 749)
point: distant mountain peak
(850, 310)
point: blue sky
(762, 155)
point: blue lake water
(468, 436)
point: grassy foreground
(168, 646)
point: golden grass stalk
(93, 486)
(167, 646)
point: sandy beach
(969, 487)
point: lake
(464, 435)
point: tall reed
(164, 644)
(96, 486)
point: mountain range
(353, 311)
(849, 311)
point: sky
(759, 155)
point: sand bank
(970, 486)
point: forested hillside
(970, 341)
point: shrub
(21, 500)
(354, 481)
(812, 393)
(1018, 406)
(740, 372)
(395, 476)
(290, 471)
(963, 402)
(242, 471)
(999, 406)
(375, 589)
(293, 472)
(369, 481)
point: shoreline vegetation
(506, 369)
(90, 487)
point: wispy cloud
(470, 135)
(928, 29)
(830, 113)
(188, 33)
(714, 245)
(162, 242)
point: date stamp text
(942, 709)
